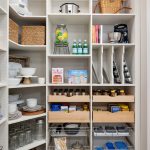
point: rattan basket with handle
(110, 6)
(33, 35)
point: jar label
(85, 50)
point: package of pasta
(60, 143)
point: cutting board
(25, 113)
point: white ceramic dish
(32, 102)
(17, 102)
(41, 80)
(12, 108)
(13, 98)
(28, 71)
(14, 81)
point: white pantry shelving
(46, 12)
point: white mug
(12, 108)
(41, 80)
(32, 102)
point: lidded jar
(40, 129)
(61, 35)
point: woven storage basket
(33, 35)
(13, 31)
(111, 6)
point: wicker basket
(13, 31)
(33, 35)
(110, 6)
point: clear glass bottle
(74, 47)
(80, 47)
(40, 129)
(85, 47)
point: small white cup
(12, 108)
(41, 80)
(32, 102)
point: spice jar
(113, 93)
(55, 92)
(122, 92)
(61, 35)
(94, 92)
(83, 92)
(85, 107)
(105, 92)
(70, 93)
(77, 92)
(60, 92)
(65, 92)
(99, 92)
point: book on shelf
(97, 33)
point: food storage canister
(61, 35)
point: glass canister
(61, 35)
(40, 129)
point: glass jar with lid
(40, 129)
(61, 35)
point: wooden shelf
(117, 85)
(26, 86)
(16, 46)
(108, 117)
(57, 98)
(25, 118)
(109, 99)
(33, 145)
(73, 117)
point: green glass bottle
(80, 47)
(85, 47)
(74, 47)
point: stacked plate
(33, 109)
(16, 115)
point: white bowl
(12, 108)
(14, 97)
(31, 102)
(12, 73)
(14, 81)
(28, 71)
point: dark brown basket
(24, 61)
(13, 31)
(33, 35)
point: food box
(57, 75)
(77, 76)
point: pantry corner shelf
(2, 85)
(25, 118)
(2, 11)
(15, 46)
(22, 18)
(3, 120)
(33, 145)
(27, 86)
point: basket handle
(122, 9)
(96, 6)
